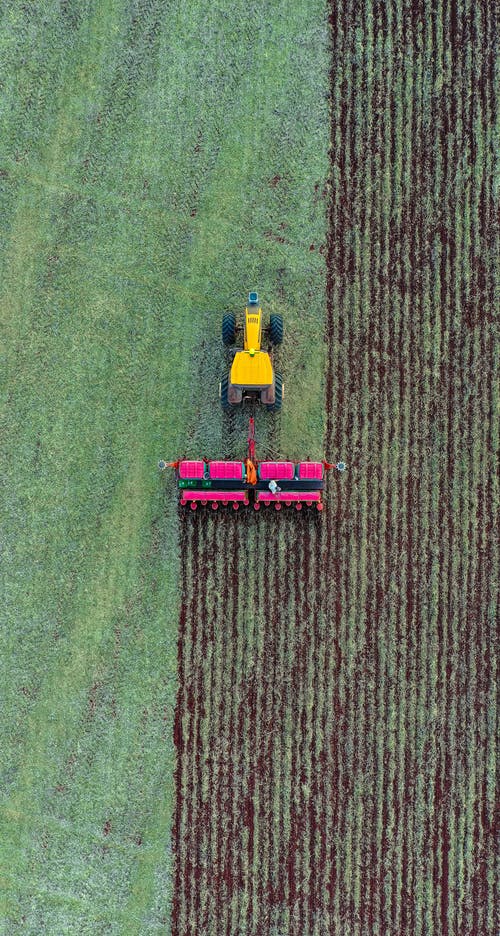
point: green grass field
(328, 680)
(157, 161)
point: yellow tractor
(252, 376)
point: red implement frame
(251, 439)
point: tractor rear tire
(223, 391)
(229, 328)
(276, 329)
(278, 394)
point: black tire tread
(278, 390)
(229, 328)
(224, 387)
(276, 329)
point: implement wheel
(278, 395)
(229, 328)
(276, 329)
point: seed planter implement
(251, 482)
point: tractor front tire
(223, 391)
(229, 328)
(276, 329)
(278, 394)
